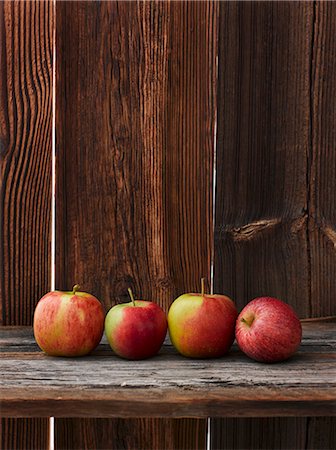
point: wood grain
(135, 120)
(262, 147)
(275, 175)
(321, 433)
(151, 434)
(24, 434)
(280, 433)
(322, 230)
(26, 42)
(103, 385)
(25, 112)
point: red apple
(68, 323)
(136, 330)
(268, 330)
(202, 325)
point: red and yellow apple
(136, 330)
(268, 330)
(202, 325)
(68, 323)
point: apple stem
(75, 288)
(131, 295)
(248, 322)
(202, 286)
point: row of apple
(200, 326)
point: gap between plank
(214, 179)
(53, 185)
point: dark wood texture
(25, 114)
(134, 147)
(275, 220)
(168, 385)
(314, 433)
(263, 144)
(24, 434)
(322, 175)
(26, 38)
(186, 434)
(135, 120)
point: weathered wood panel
(186, 434)
(322, 174)
(26, 37)
(135, 84)
(274, 228)
(262, 149)
(321, 433)
(24, 434)
(103, 385)
(309, 433)
(25, 114)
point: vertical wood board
(139, 434)
(26, 45)
(322, 173)
(135, 125)
(262, 152)
(25, 141)
(24, 434)
(275, 173)
(289, 433)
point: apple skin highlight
(268, 330)
(68, 324)
(136, 331)
(202, 326)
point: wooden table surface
(168, 385)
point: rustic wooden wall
(26, 37)
(135, 117)
(137, 95)
(275, 219)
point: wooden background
(151, 97)
(26, 46)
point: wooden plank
(25, 111)
(24, 434)
(134, 126)
(322, 231)
(103, 385)
(262, 242)
(262, 146)
(151, 434)
(321, 433)
(309, 433)
(26, 42)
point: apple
(68, 323)
(202, 325)
(268, 330)
(136, 330)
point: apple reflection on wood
(200, 325)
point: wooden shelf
(168, 385)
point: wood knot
(250, 230)
(165, 283)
